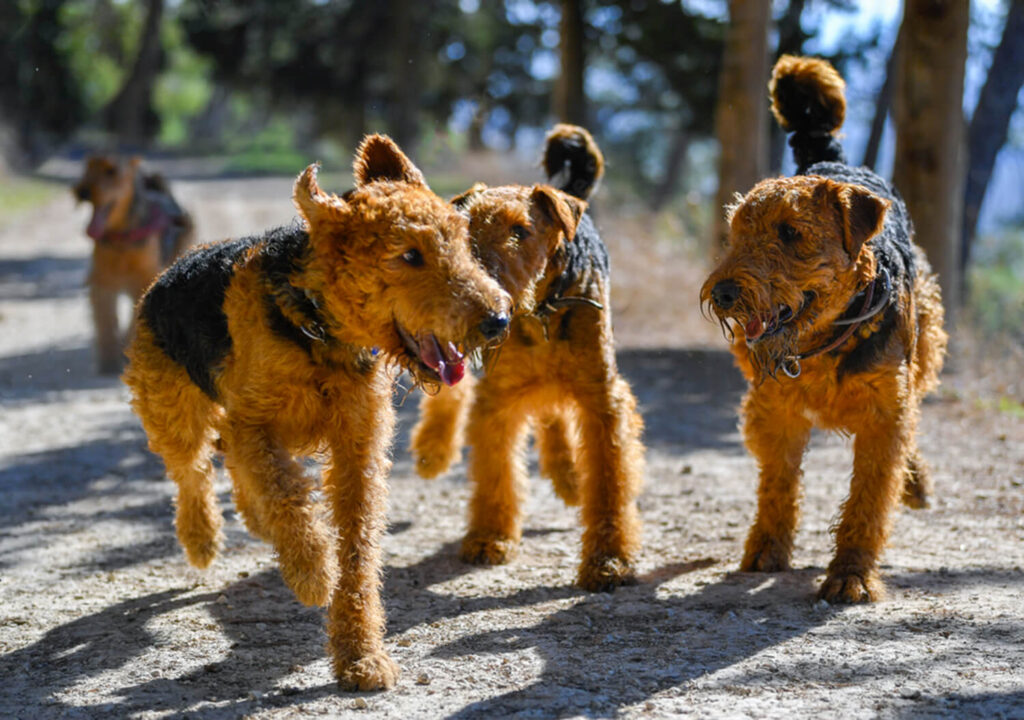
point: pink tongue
(451, 369)
(98, 223)
(754, 328)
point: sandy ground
(101, 616)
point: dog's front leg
(776, 434)
(104, 315)
(356, 487)
(879, 463)
(273, 493)
(496, 433)
(612, 462)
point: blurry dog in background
(138, 229)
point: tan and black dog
(836, 322)
(284, 344)
(556, 371)
(138, 229)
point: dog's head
(108, 184)
(515, 230)
(796, 256)
(393, 264)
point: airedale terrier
(557, 369)
(286, 343)
(138, 229)
(836, 322)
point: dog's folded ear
(379, 159)
(559, 207)
(460, 200)
(313, 203)
(861, 212)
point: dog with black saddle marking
(836, 322)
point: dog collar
(791, 364)
(157, 222)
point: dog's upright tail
(572, 160)
(809, 101)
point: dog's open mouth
(762, 327)
(442, 360)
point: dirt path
(101, 616)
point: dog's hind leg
(178, 419)
(273, 493)
(437, 438)
(556, 450)
(918, 485)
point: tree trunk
(664, 190)
(741, 116)
(930, 132)
(405, 98)
(130, 114)
(570, 101)
(991, 120)
(882, 105)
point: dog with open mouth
(835, 320)
(287, 344)
(138, 229)
(556, 374)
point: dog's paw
(376, 671)
(431, 463)
(762, 554)
(310, 568)
(603, 573)
(488, 549)
(203, 552)
(852, 587)
(566, 484)
(199, 531)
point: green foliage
(995, 302)
(271, 149)
(183, 89)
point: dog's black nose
(494, 325)
(81, 193)
(725, 294)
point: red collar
(156, 222)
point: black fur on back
(584, 257)
(570, 166)
(184, 308)
(893, 249)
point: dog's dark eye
(787, 234)
(519, 232)
(413, 257)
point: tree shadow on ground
(37, 376)
(42, 277)
(638, 642)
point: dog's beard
(769, 355)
